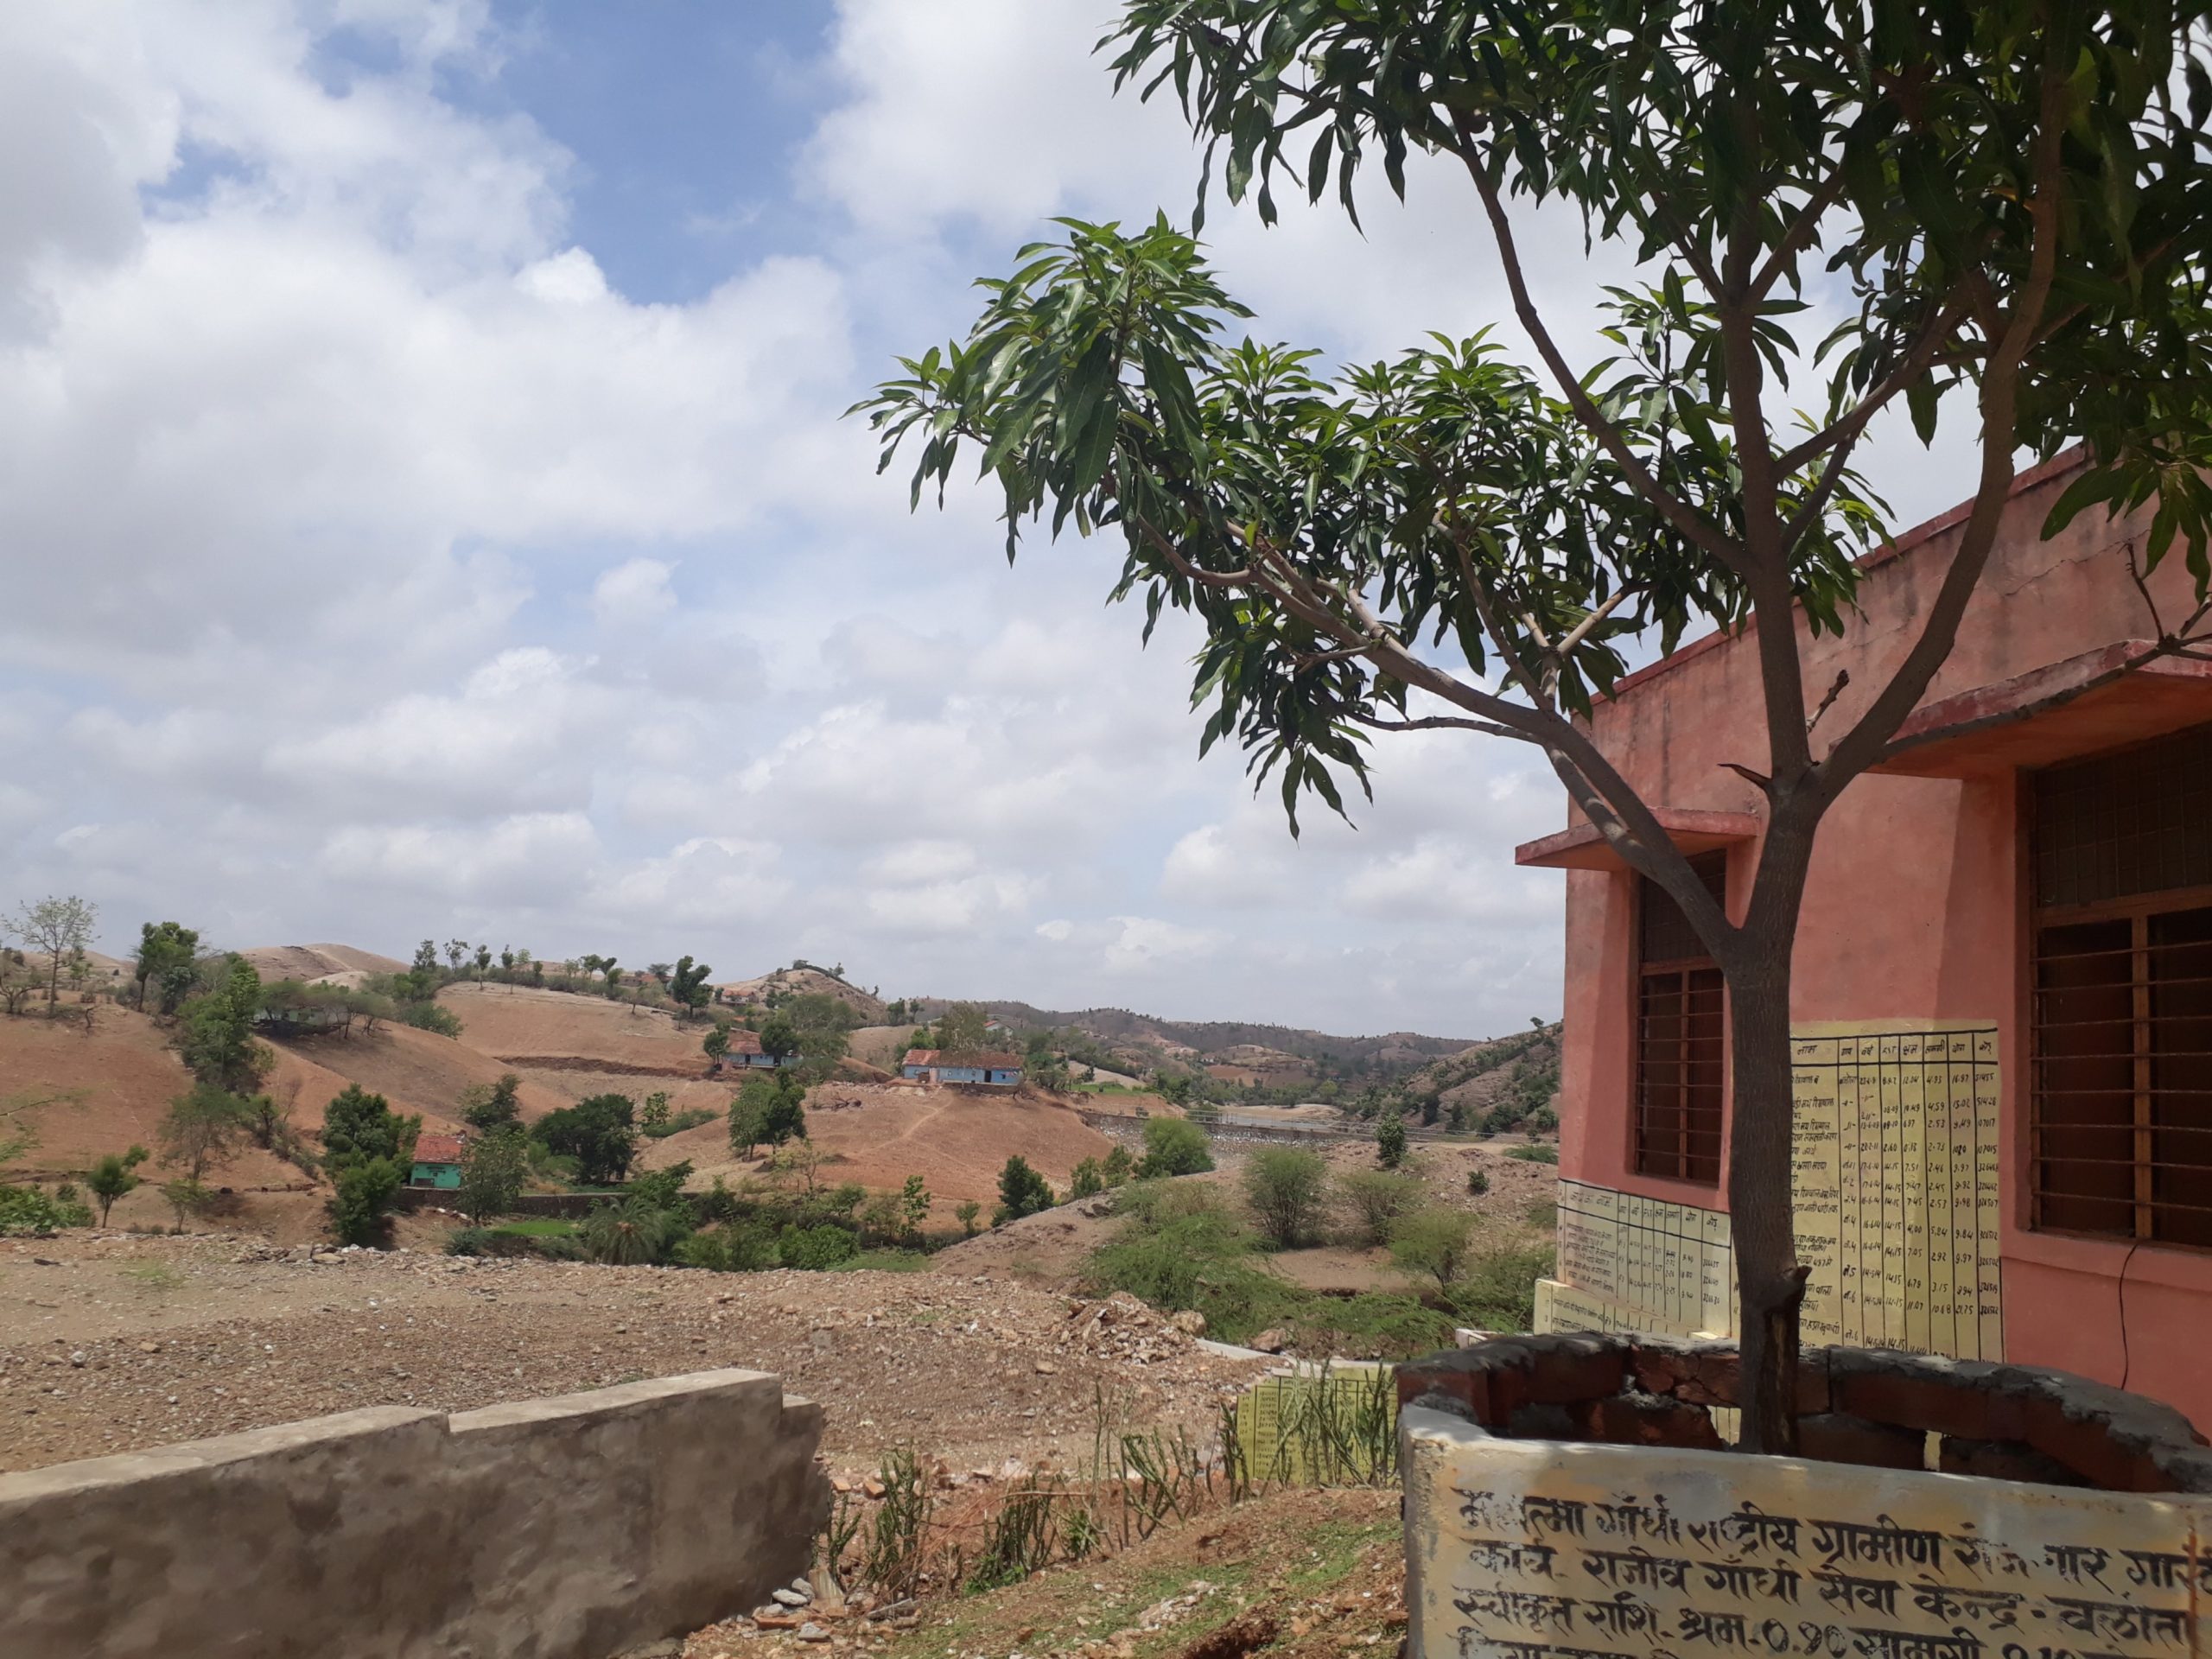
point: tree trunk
(1769, 1280)
(1771, 1285)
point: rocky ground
(113, 1343)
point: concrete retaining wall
(571, 1528)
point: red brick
(1471, 1387)
(1929, 1402)
(1835, 1437)
(1559, 1378)
(2086, 1447)
(1649, 1420)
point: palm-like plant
(629, 1236)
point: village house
(437, 1161)
(986, 1066)
(744, 1053)
(2002, 1005)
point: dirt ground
(1309, 1573)
(115, 1343)
(956, 1140)
(310, 961)
(522, 1025)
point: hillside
(313, 962)
(1473, 1082)
(956, 1140)
(1221, 1040)
(802, 982)
(526, 1026)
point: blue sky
(431, 515)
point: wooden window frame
(1640, 1140)
(2138, 911)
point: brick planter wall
(1571, 1493)
(1872, 1407)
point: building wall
(561, 1528)
(1913, 907)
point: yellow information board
(1895, 1172)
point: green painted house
(437, 1161)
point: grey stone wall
(570, 1527)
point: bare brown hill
(416, 1070)
(311, 961)
(559, 1030)
(956, 1140)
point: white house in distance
(744, 1054)
(986, 1066)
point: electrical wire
(2126, 1358)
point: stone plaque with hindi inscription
(1523, 1549)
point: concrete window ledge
(567, 1527)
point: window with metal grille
(1681, 1035)
(2121, 1027)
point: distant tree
(57, 928)
(422, 976)
(780, 1038)
(202, 1126)
(216, 1039)
(1173, 1145)
(1390, 1139)
(364, 1192)
(167, 959)
(783, 1116)
(186, 1199)
(966, 1212)
(613, 979)
(485, 1107)
(1022, 1191)
(507, 959)
(269, 1117)
(635, 1233)
(359, 1127)
(654, 1113)
(600, 1133)
(456, 953)
(963, 1025)
(716, 1043)
(659, 970)
(1435, 1244)
(747, 1109)
(688, 986)
(1088, 1181)
(1118, 1166)
(113, 1177)
(492, 1174)
(663, 1187)
(483, 962)
(1284, 1185)
(913, 1208)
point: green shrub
(1477, 1183)
(738, 1247)
(1088, 1181)
(632, 1234)
(1371, 1326)
(468, 1241)
(32, 1210)
(1535, 1152)
(1022, 1192)
(1499, 1291)
(1375, 1198)
(1390, 1139)
(675, 1125)
(1200, 1258)
(428, 1016)
(817, 1248)
(1173, 1145)
(1435, 1244)
(1284, 1184)
(365, 1192)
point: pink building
(2002, 1017)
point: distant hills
(1217, 1038)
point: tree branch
(1671, 507)
(1865, 742)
